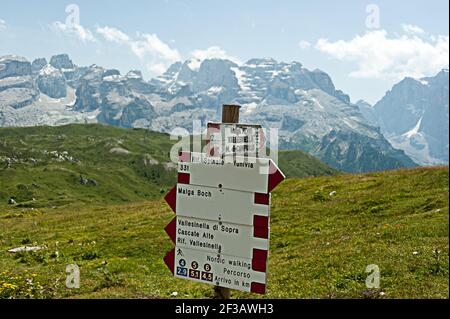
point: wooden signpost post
(222, 205)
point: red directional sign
(217, 236)
(250, 174)
(214, 203)
(222, 203)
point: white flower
(415, 253)
(174, 294)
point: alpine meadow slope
(99, 164)
(325, 231)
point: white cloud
(156, 54)
(113, 35)
(304, 45)
(2, 24)
(150, 44)
(214, 52)
(76, 30)
(412, 29)
(377, 55)
(157, 68)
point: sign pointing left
(218, 237)
(214, 203)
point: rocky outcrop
(367, 111)
(87, 97)
(12, 65)
(414, 115)
(61, 61)
(24, 82)
(38, 65)
(17, 87)
(353, 152)
(52, 82)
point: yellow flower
(9, 286)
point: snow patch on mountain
(46, 111)
(414, 130)
(414, 116)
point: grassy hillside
(300, 164)
(320, 244)
(118, 165)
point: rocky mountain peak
(38, 64)
(13, 65)
(61, 61)
(414, 116)
(52, 82)
(261, 62)
(134, 74)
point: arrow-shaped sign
(251, 174)
(219, 204)
(218, 237)
(218, 269)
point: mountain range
(306, 108)
(413, 116)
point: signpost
(240, 173)
(217, 237)
(222, 205)
(218, 204)
(221, 270)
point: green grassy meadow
(320, 244)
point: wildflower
(9, 286)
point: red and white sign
(250, 174)
(221, 270)
(222, 205)
(213, 203)
(217, 236)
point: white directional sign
(241, 173)
(214, 203)
(222, 205)
(218, 269)
(217, 236)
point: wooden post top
(230, 113)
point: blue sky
(364, 59)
